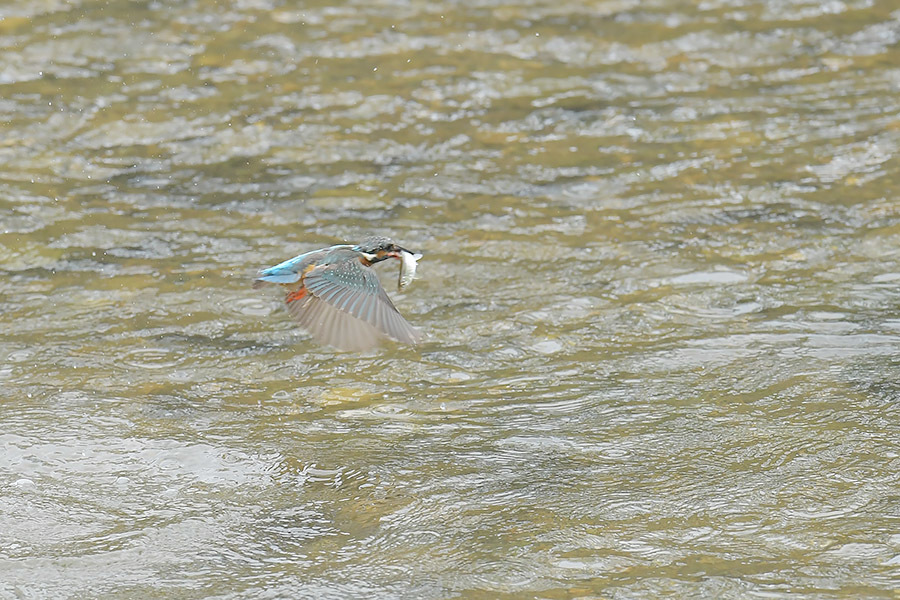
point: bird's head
(377, 248)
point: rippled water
(660, 291)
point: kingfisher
(336, 296)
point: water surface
(660, 292)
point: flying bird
(336, 296)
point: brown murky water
(660, 290)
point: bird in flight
(336, 296)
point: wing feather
(347, 307)
(335, 328)
(337, 300)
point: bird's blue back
(291, 270)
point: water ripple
(661, 252)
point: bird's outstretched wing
(343, 305)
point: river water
(660, 293)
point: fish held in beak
(408, 262)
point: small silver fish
(407, 268)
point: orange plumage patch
(296, 295)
